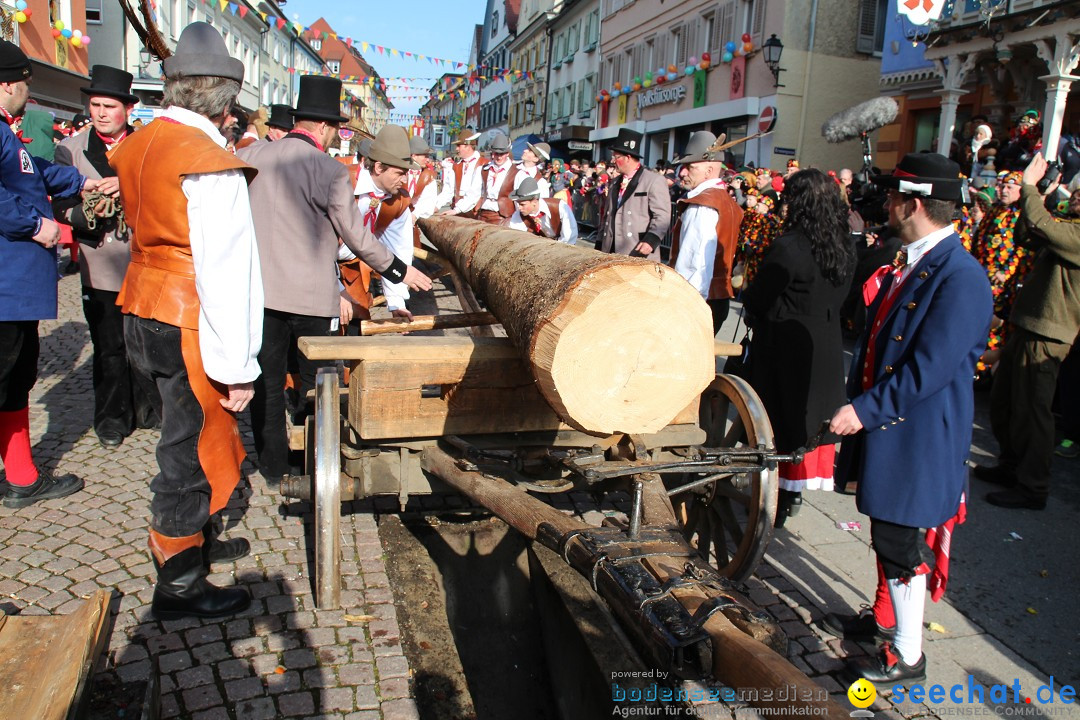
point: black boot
(182, 590)
(222, 551)
(788, 504)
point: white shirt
(496, 176)
(533, 172)
(568, 232)
(398, 237)
(423, 206)
(472, 186)
(228, 278)
(697, 241)
(915, 252)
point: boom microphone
(852, 123)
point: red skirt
(815, 472)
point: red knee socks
(883, 607)
(15, 447)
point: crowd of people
(195, 228)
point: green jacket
(1049, 302)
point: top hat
(500, 143)
(541, 150)
(320, 99)
(467, 137)
(391, 147)
(111, 82)
(280, 117)
(927, 174)
(14, 64)
(527, 190)
(628, 142)
(419, 146)
(80, 121)
(201, 51)
(697, 149)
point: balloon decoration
(22, 12)
(727, 56)
(689, 70)
(58, 30)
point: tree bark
(616, 344)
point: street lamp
(530, 105)
(771, 50)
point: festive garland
(756, 233)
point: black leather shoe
(45, 487)
(994, 474)
(860, 628)
(887, 668)
(222, 551)
(182, 590)
(110, 439)
(788, 504)
(1016, 499)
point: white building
(500, 27)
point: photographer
(1045, 318)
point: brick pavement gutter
(281, 658)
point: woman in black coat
(793, 306)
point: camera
(1053, 172)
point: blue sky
(429, 27)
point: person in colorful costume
(757, 230)
(193, 298)
(998, 246)
(28, 239)
(971, 216)
(908, 425)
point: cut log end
(630, 346)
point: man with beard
(121, 403)
(907, 427)
(638, 212)
(703, 244)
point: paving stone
(392, 666)
(171, 662)
(201, 698)
(400, 710)
(295, 704)
(286, 682)
(243, 689)
(193, 677)
(337, 699)
(256, 709)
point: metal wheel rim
(327, 490)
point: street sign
(767, 119)
(578, 145)
(345, 134)
(783, 151)
(144, 113)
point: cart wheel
(327, 490)
(730, 521)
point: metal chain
(112, 208)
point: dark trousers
(280, 333)
(121, 403)
(18, 363)
(719, 310)
(181, 503)
(899, 548)
(1068, 394)
(1020, 407)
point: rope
(111, 208)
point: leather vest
(729, 217)
(427, 175)
(151, 164)
(506, 205)
(556, 219)
(355, 274)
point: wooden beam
(421, 323)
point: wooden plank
(420, 323)
(727, 349)
(46, 661)
(405, 348)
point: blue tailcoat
(28, 270)
(909, 459)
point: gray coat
(302, 202)
(104, 255)
(644, 215)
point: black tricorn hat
(280, 117)
(320, 99)
(111, 82)
(926, 174)
(628, 142)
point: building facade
(500, 27)
(997, 61)
(358, 77)
(821, 71)
(569, 113)
(444, 113)
(60, 68)
(529, 67)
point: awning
(57, 89)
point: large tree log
(616, 344)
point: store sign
(673, 94)
(579, 145)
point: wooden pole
(616, 344)
(426, 322)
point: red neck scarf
(305, 133)
(12, 121)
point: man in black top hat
(120, 403)
(280, 122)
(302, 203)
(909, 421)
(639, 206)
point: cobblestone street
(284, 658)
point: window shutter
(723, 28)
(757, 23)
(683, 41)
(868, 21)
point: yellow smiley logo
(862, 693)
